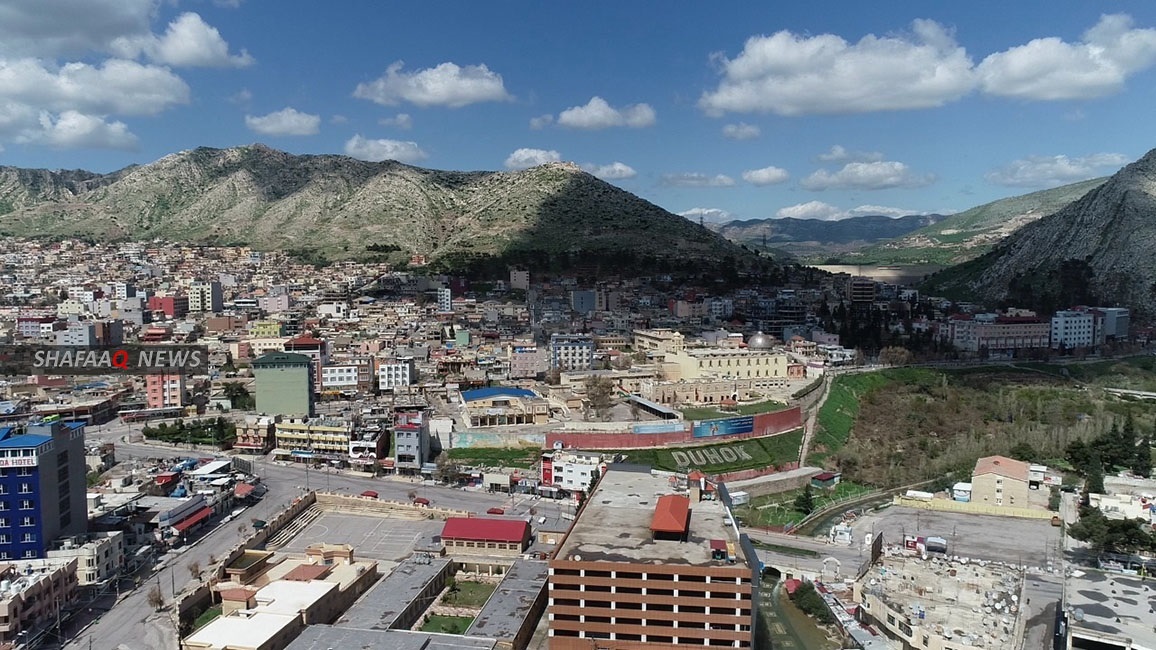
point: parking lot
(375, 538)
(1008, 539)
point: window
(26, 504)
(3, 489)
(28, 537)
(27, 521)
(5, 538)
(25, 488)
(24, 471)
(29, 554)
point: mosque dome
(760, 341)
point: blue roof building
(42, 487)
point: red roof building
(483, 536)
(671, 516)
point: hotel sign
(18, 461)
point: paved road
(133, 625)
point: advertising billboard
(724, 427)
(677, 426)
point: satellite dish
(1078, 614)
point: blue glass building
(42, 487)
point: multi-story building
(256, 434)
(571, 470)
(659, 340)
(527, 361)
(42, 487)
(1116, 321)
(1072, 329)
(411, 439)
(502, 406)
(645, 565)
(1000, 481)
(81, 333)
(315, 349)
(314, 438)
(164, 390)
(206, 297)
(583, 301)
(266, 329)
(171, 306)
(998, 334)
(396, 373)
(520, 279)
(571, 351)
(339, 377)
(31, 327)
(751, 363)
(862, 290)
(99, 556)
(284, 384)
(35, 593)
(445, 300)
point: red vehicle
(421, 501)
(495, 511)
(369, 493)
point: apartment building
(313, 438)
(645, 565)
(42, 487)
(99, 556)
(571, 351)
(33, 592)
(659, 340)
(206, 297)
(164, 390)
(284, 384)
(256, 434)
(397, 373)
(1072, 329)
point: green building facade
(284, 384)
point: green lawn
(207, 616)
(468, 594)
(710, 413)
(447, 624)
(763, 452)
(779, 509)
(524, 458)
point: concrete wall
(776, 483)
(383, 508)
(409, 616)
(493, 439)
(765, 424)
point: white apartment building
(342, 377)
(395, 374)
(206, 296)
(99, 556)
(1076, 329)
(445, 300)
(77, 333)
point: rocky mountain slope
(971, 233)
(1098, 249)
(818, 238)
(340, 207)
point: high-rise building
(650, 565)
(284, 384)
(164, 390)
(445, 300)
(42, 487)
(571, 351)
(206, 296)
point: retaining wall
(946, 505)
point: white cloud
(766, 176)
(1051, 69)
(838, 153)
(50, 28)
(402, 121)
(598, 114)
(379, 150)
(187, 42)
(525, 158)
(287, 121)
(827, 212)
(116, 86)
(73, 130)
(879, 175)
(228, 4)
(542, 121)
(339, 119)
(791, 74)
(1050, 171)
(241, 97)
(741, 131)
(447, 84)
(612, 172)
(707, 214)
(697, 180)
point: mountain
(1096, 250)
(339, 207)
(815, 237)
(968, 234)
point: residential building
(862, 290)
(164, 390)
(397, 373)
(411, 439)
(648, 565)
(35, 592)
(42, 487)
(502, 406)
(82, 333)
(527, 361)
(336, 378)
(172, 307)
(313, 438)
(583, 301)
(266, 329)
(315, 349)
(520, 279)
(256, 434)
(1073, 329)
(99, 556)
(571, 351)
(571, 470)
(445, 300)
(482, 536)
(659, 340)
(1000, 481)
(284, 384)
(206, 297)
(1116, 321)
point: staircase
(298, 524)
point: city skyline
(716, 112)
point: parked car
(369, 493)
(495, 511)
(421, 501)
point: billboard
(724, 427)
(676, 426)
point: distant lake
(891, 274)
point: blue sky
(731, 110)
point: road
(131, 624)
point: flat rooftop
(241, 631)
(327, 637)
(1111, 607)
(615, 524)
(972, 602)
(503, 614)
(379, 607)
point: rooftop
(1105, 606)
(486, 530)
(291, 596)
(252, 631)
(24, 441)
(380, 606)
(327, 637)
(280, 358)
(499, 391)
(504, 612)
(615, 523)
(1001, 466)
(951, 599)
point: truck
(740, 498)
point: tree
(894, 356)
(195, 569)
(812, 604)
(447, 470)
(805, 502)
(600, 395)
(1023, 451)
(553, 376)
(1095, 482)
(156, 599)
(238, 396)
(1142, 463)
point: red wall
(766, 424)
